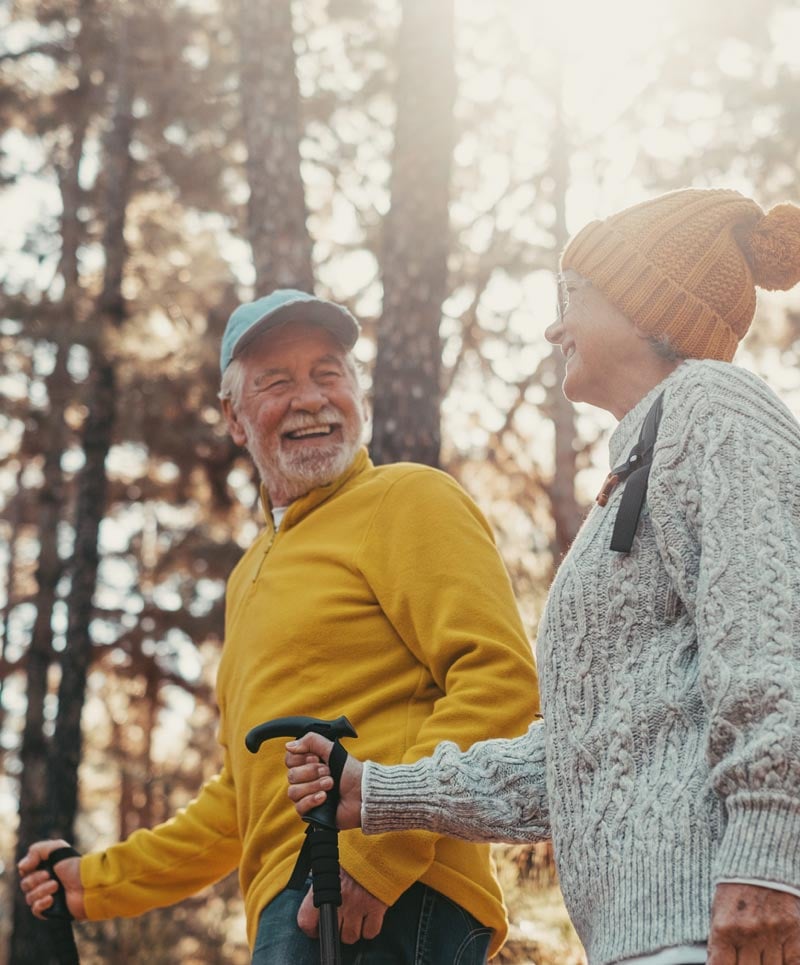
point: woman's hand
(754, 924)
(310, 779)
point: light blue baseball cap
(253, 319)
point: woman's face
(609, 362)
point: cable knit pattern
(669, 754)
(495, 791)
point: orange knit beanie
(685, 265)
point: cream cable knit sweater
(669, 753)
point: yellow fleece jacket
(382, 597)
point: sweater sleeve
(160, 866)
(736, 477)
(495, 791)
(430, 559)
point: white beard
(289, 475)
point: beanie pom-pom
(773, 248)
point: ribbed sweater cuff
(762, 839)
(397, 798)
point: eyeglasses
(562, 301)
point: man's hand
(39, 887)
(309, 779)
(360, 915)
(751, 925)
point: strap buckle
(635, 471)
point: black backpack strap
(635, 473)
(630, 509)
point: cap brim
(338, 321)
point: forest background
(421, 161)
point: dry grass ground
(541, 932)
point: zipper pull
(264, 556)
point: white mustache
(330, 415)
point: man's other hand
(38, 885)
(360, 914)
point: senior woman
(667, 765)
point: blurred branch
(56, 51)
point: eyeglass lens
(563, 298)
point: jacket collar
(301, 507)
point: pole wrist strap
(58, 910)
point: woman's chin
(570, 387)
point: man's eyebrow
(330, 357)
(264, 374)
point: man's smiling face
(301, 412)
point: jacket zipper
(264, 556)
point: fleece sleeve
(431, 561)
(160, 866)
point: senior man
(375, 592)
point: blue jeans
(421, 928)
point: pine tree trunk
(93, 482)
(34, 943)
(566, 509)
(407, 391)
(13, 517)
(271, 112)
(31, 941)
(66, 746)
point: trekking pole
(320, 850)
(58, 912)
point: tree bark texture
(407, 392)
(51, 501)
(93, 483)
(32, 941)
(270, 100)
(62, 771)
(566, 510)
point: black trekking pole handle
(325, 815)
(321, 847)
(58, 914)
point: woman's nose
(554, 332)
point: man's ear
(235, 427)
